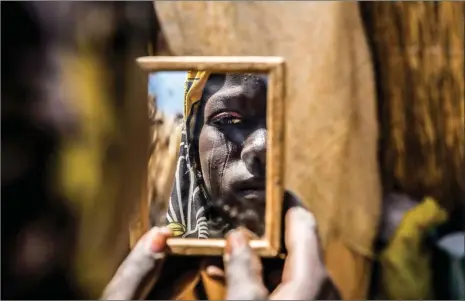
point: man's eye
(224, 119)
(227, 121)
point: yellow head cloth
(186, 208)
(195, 83)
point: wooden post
(418, 51)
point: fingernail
(214, 272)
(235, 240)
(166, 231)
(158, 243)
(248, 234)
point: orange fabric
(350, 271)
(214, 289)
(189, 292)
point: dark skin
(304, 276)
(232, 150)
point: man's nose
(254, 152)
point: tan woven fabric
(164, 150)
(331, 127)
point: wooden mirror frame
(274, 67)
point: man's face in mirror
(232, 149)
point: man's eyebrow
(226, 94)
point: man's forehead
(236, 94)
(239, 78)
(235, 86)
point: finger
(156, 241)
(214, 268)
(155, 245)
(150, 249)
(304, 272)
(300, 239)
(215, 272)
(140, 265)
(243, 269)
(249, 234)
(171, 275)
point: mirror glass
(210, 133)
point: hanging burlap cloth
(331, 127)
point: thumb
(144, 260)
(243, 269)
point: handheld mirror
(223, 117)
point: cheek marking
(216, 149)
(210, 156)
(228, 153)
(216, 144)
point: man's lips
(252, 194)
(253, 189)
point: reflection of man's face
(232, 150)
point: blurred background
(374, 123)
(168, 89)
(166, 95)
